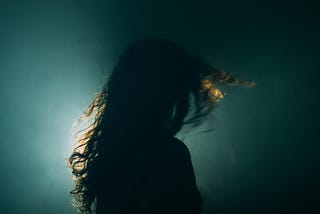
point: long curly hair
(151, 75)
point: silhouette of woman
(127, 159)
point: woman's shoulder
(180, 147)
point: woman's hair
(152, 78)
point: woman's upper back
(158, 178)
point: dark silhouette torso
(156, 179)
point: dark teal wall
(264, 155)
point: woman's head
(146, 81)
(149, 90)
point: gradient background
(263, 157)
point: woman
(127, 159)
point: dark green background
(264, 155)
